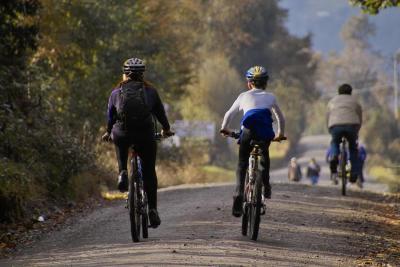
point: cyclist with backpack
(344, 120)
(256, 124)
(130, 108)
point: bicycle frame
(253, 204)
(135, 161)
(344, 164)
(137, 199)
(252, 172)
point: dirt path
(315, 147)
(304, 226)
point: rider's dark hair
(147, 84)
(260, 84)
(136, 76)
(345, 89)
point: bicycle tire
(245, 220)
(255, 208)
(145, 220)
(343, 170)
(245, 216)
(134, 215)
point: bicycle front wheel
(255, 208)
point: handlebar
(236, 135)
(159, 136)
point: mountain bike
(253, 202)
(137, 203)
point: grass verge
(388, 176)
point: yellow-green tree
(374, 6)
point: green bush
(37, 164)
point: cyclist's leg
(352, 136)
(243, 161)
(361, 171)
(264, 168)
(147, 150)
(122, 144)
(337, 134)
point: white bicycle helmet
(134, 65)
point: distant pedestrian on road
(313, 171)
(294, 170)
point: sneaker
(237, 208)
(353, 177)
(123, 181)
(359, 183)
(154, 219)
(334, 178)
(267, 192)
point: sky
(325, 18)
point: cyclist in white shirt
(257, 106)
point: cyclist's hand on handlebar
(279, 138)
(225, 132)
(167, 133)
(106, 137)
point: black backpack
(132, 108)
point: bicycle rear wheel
(134, 212)
(245, 219)
(255, 208)
(145, 219)
(343, 171)
(245, 216)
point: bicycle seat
(259, 143)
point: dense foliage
(241, 34)
(60, 59)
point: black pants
(244, 154)
(146, 147)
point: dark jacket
(313, 170)
(294, 173)
(152, 100)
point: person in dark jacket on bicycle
(130, 122)
(344, 119)
(257, 106)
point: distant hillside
(324, 19)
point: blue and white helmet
(134, 65)
(257, 73)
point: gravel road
(304, 226)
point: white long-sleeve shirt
(255, 99)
